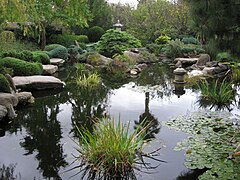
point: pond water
(39, 143)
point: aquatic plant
(111, 151)
(213, 144)
(218, 93)
(86, 79)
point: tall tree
(217, 20)
(102, 13)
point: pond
(39, 143)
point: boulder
(186, 61)
(37, 82)
(142, 66)
(203, 59)
(194, 73)
(9, 101)
(212, 64)
(98, 60)
(25, 98)
(134, 72)
(132, 56)
(49, 69)
(208, 70)
(57, 61)
(3, 112)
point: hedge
(41, 57)
(20, 67)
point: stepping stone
(49, 69)
(37, 82)
(57, 61)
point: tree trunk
(43, 35)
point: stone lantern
(118, 26)
(179, 75)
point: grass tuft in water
(87, 79)
(218, 93)
(111, 151)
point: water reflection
(7, 172)
(87, 104)
(147, 120)
(43, 136)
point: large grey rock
(49, 69)
(37, 82)
(132, 56)
(3, 112)
(203, 59)
(57, 61)
(208, 70)
(25, 98)
(186, 61)
(9, 101)
(194, 73)
(98, 60)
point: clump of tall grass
(218, 93)
(111, 151)
(86, 79)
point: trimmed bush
(155, 48)
(67, 39)
(59, 52)
(23, 55)
(52, 46)
(7, 37)
(190, 40)
(4, 84)
(116, 42)
(82, 39)
(20, 67)
(95, 33)
(41, 57)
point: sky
(131, 2)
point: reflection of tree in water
(159, 76)
(88, 104)
(191, 174)
(147, 119)
(43, 136)
(7, 172)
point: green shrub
(23, 55)
(162, 40)
(223, 56)
(155, 48)
(67, 39)
(116, 42)
(7, 37)
(148, 57)
(4, 84)
(173, 49)
(41, 57)
(82, 39)
(59, 52)
(95, 33)
(52, 46)
(18, 46)
(190, 40)
(21, 68)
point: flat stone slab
(49, 69)
(57, 61)
(186, 60)
(37, 82)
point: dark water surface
(39, 143)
